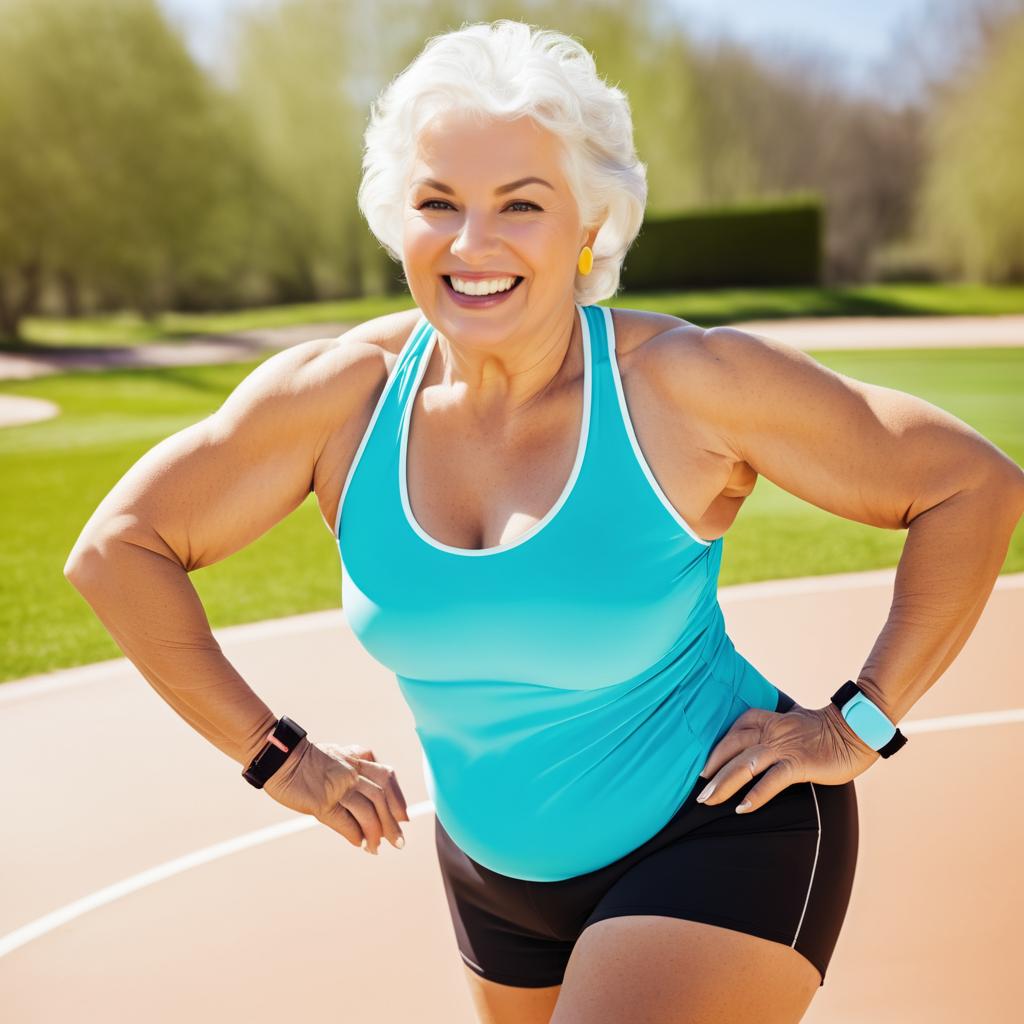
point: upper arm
(865, 452)
(214, 487)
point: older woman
(530, 493)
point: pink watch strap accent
(271, 738)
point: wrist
(875, 695)
(843, 731)
(256, 741)
(280, 745)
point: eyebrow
(500, 190)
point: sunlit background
(196, 154)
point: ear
(589, 236)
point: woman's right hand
(344, 788)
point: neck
(505, 380)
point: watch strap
(867, 719)
(281, 741)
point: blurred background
(181, 171)
(204, 154)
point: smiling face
(462, 220)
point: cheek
(420, 245)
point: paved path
(810, 333)
(805, 333)
(224, 348)
(144, 876)
(829, 333)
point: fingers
(776, 775)
(742, 734)
(738, 757)
(366, 803)
(773, 782)
(385, 805)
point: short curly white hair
(506, 69)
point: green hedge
(776, 242)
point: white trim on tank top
(588, 384)
(418, 329)
(624, 410)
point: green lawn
(56, 472)
(707, 308)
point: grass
(57, 471)
(708, 308)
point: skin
(495, 366)
(492, 438)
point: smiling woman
(501, 170)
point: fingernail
(706, 792)
(400, 842)
(745, 806)
(363, 843)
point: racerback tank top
(567, 687)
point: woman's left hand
(798, 745)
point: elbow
(87, 556)
(1005, 489)
(80, 564)
(1010, 484)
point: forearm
(949, 565)
(149, 606)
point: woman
(530, 493)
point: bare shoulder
(635, 327)
(722, 375)
(678, 367)
(387, 333)
(325, 379)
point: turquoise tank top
(567, 687)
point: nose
(475, 241)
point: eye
(443, 202)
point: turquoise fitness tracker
(280, 743)
(867, 719)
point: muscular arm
(197, 497)
(874, 455)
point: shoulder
(735, 381)
(635, 328)
(386, 333)
(705, 377)
(322, 380)
(716, 358)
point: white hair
(504, 70)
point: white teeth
(488, 287)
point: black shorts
(783, 872)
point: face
(463, 222)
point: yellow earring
(586, 260)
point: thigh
(663, 970)
(783, 873)
(510, 1004)
(500, 931)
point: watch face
(868, 721)
(860, 718)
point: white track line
(49, 922)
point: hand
(345, 789)
(799, 745)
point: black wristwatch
(867, 719)
(281, 742)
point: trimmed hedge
(777, 242)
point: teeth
(488, 287)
